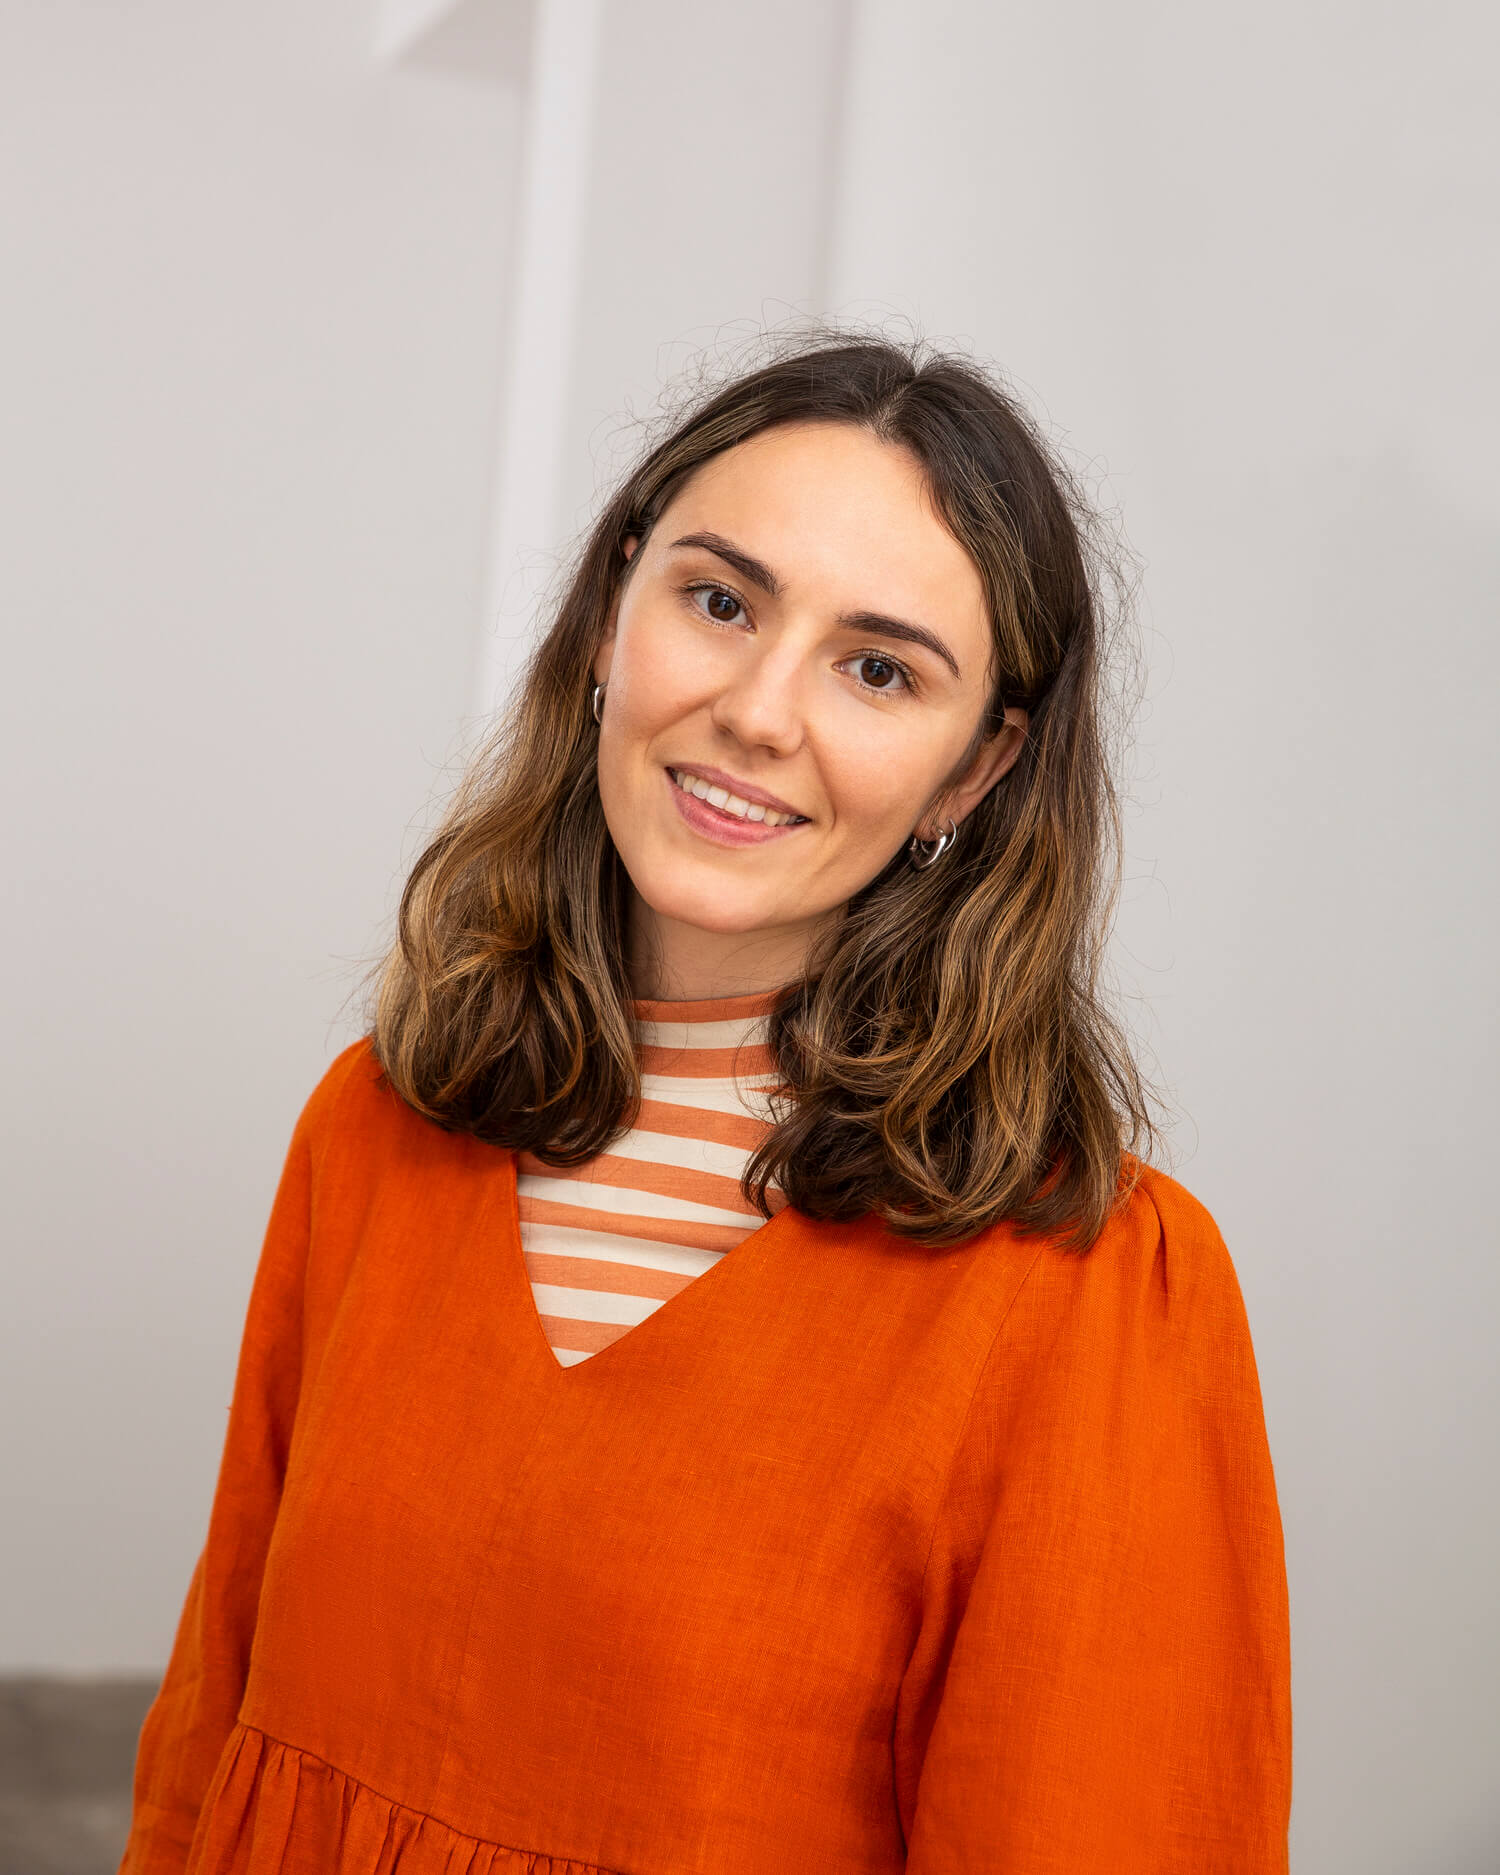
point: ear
(604, 656)
(995, 758)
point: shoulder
(362, 1143)
(353, 1110)
(1161, 1220)
(345, 1086)
(361, 1157)
(1160, 1267)
(1191, 1265)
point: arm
(198, 1703)
(1101, 1683)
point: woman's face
(801, 623)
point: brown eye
(884, 670)
(720, 604)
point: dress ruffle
(274, 1810)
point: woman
(721, 1392)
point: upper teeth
(728, 803)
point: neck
(674, 962)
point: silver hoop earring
(599, 690)
(921, 858)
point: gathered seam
(395, 1803)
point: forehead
(841, 516)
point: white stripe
(715, 1096)
(689, 1154)
(621, 1199)
(570, 1240)
(595, 1305)
(734, 1034)
(570, 1357)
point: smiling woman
(857, 587)
(723, 1390)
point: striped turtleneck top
(607, 1242)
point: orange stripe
(675, 1182)
(674, 1230)
(722, 1129)
(749, 1003)
(582, 1337)
(616, 1279)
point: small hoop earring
(921, 858)
(599, 690)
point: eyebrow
(759, 574)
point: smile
(724, 819)
(726, 803)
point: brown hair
(947, 1059)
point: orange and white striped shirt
(607, 1242)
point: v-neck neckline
(748, 1008)
(747, 1249)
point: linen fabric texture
(855, 1556)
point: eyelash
(883, 657)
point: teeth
(728, 803)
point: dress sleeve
(1101, 1681)
(199, 1699)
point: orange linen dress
(855, 1557)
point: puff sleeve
(1101, 1679)
(198, 1702)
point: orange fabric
(854, 1556)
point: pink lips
(723, 829)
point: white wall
(258, 313)
(1245, 259)
(251, 319)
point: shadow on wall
(67, 1753)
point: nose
(761, 706)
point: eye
(717, 603)
(882, 685)
(722, 605)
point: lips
(724, 799)
(692, 775)
(723, 828)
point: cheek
(876, 783)
(658, 676)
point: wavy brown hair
(947, 1060)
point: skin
(769, 689)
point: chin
(711, 912)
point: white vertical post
(553, 205)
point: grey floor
(67, 1750)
